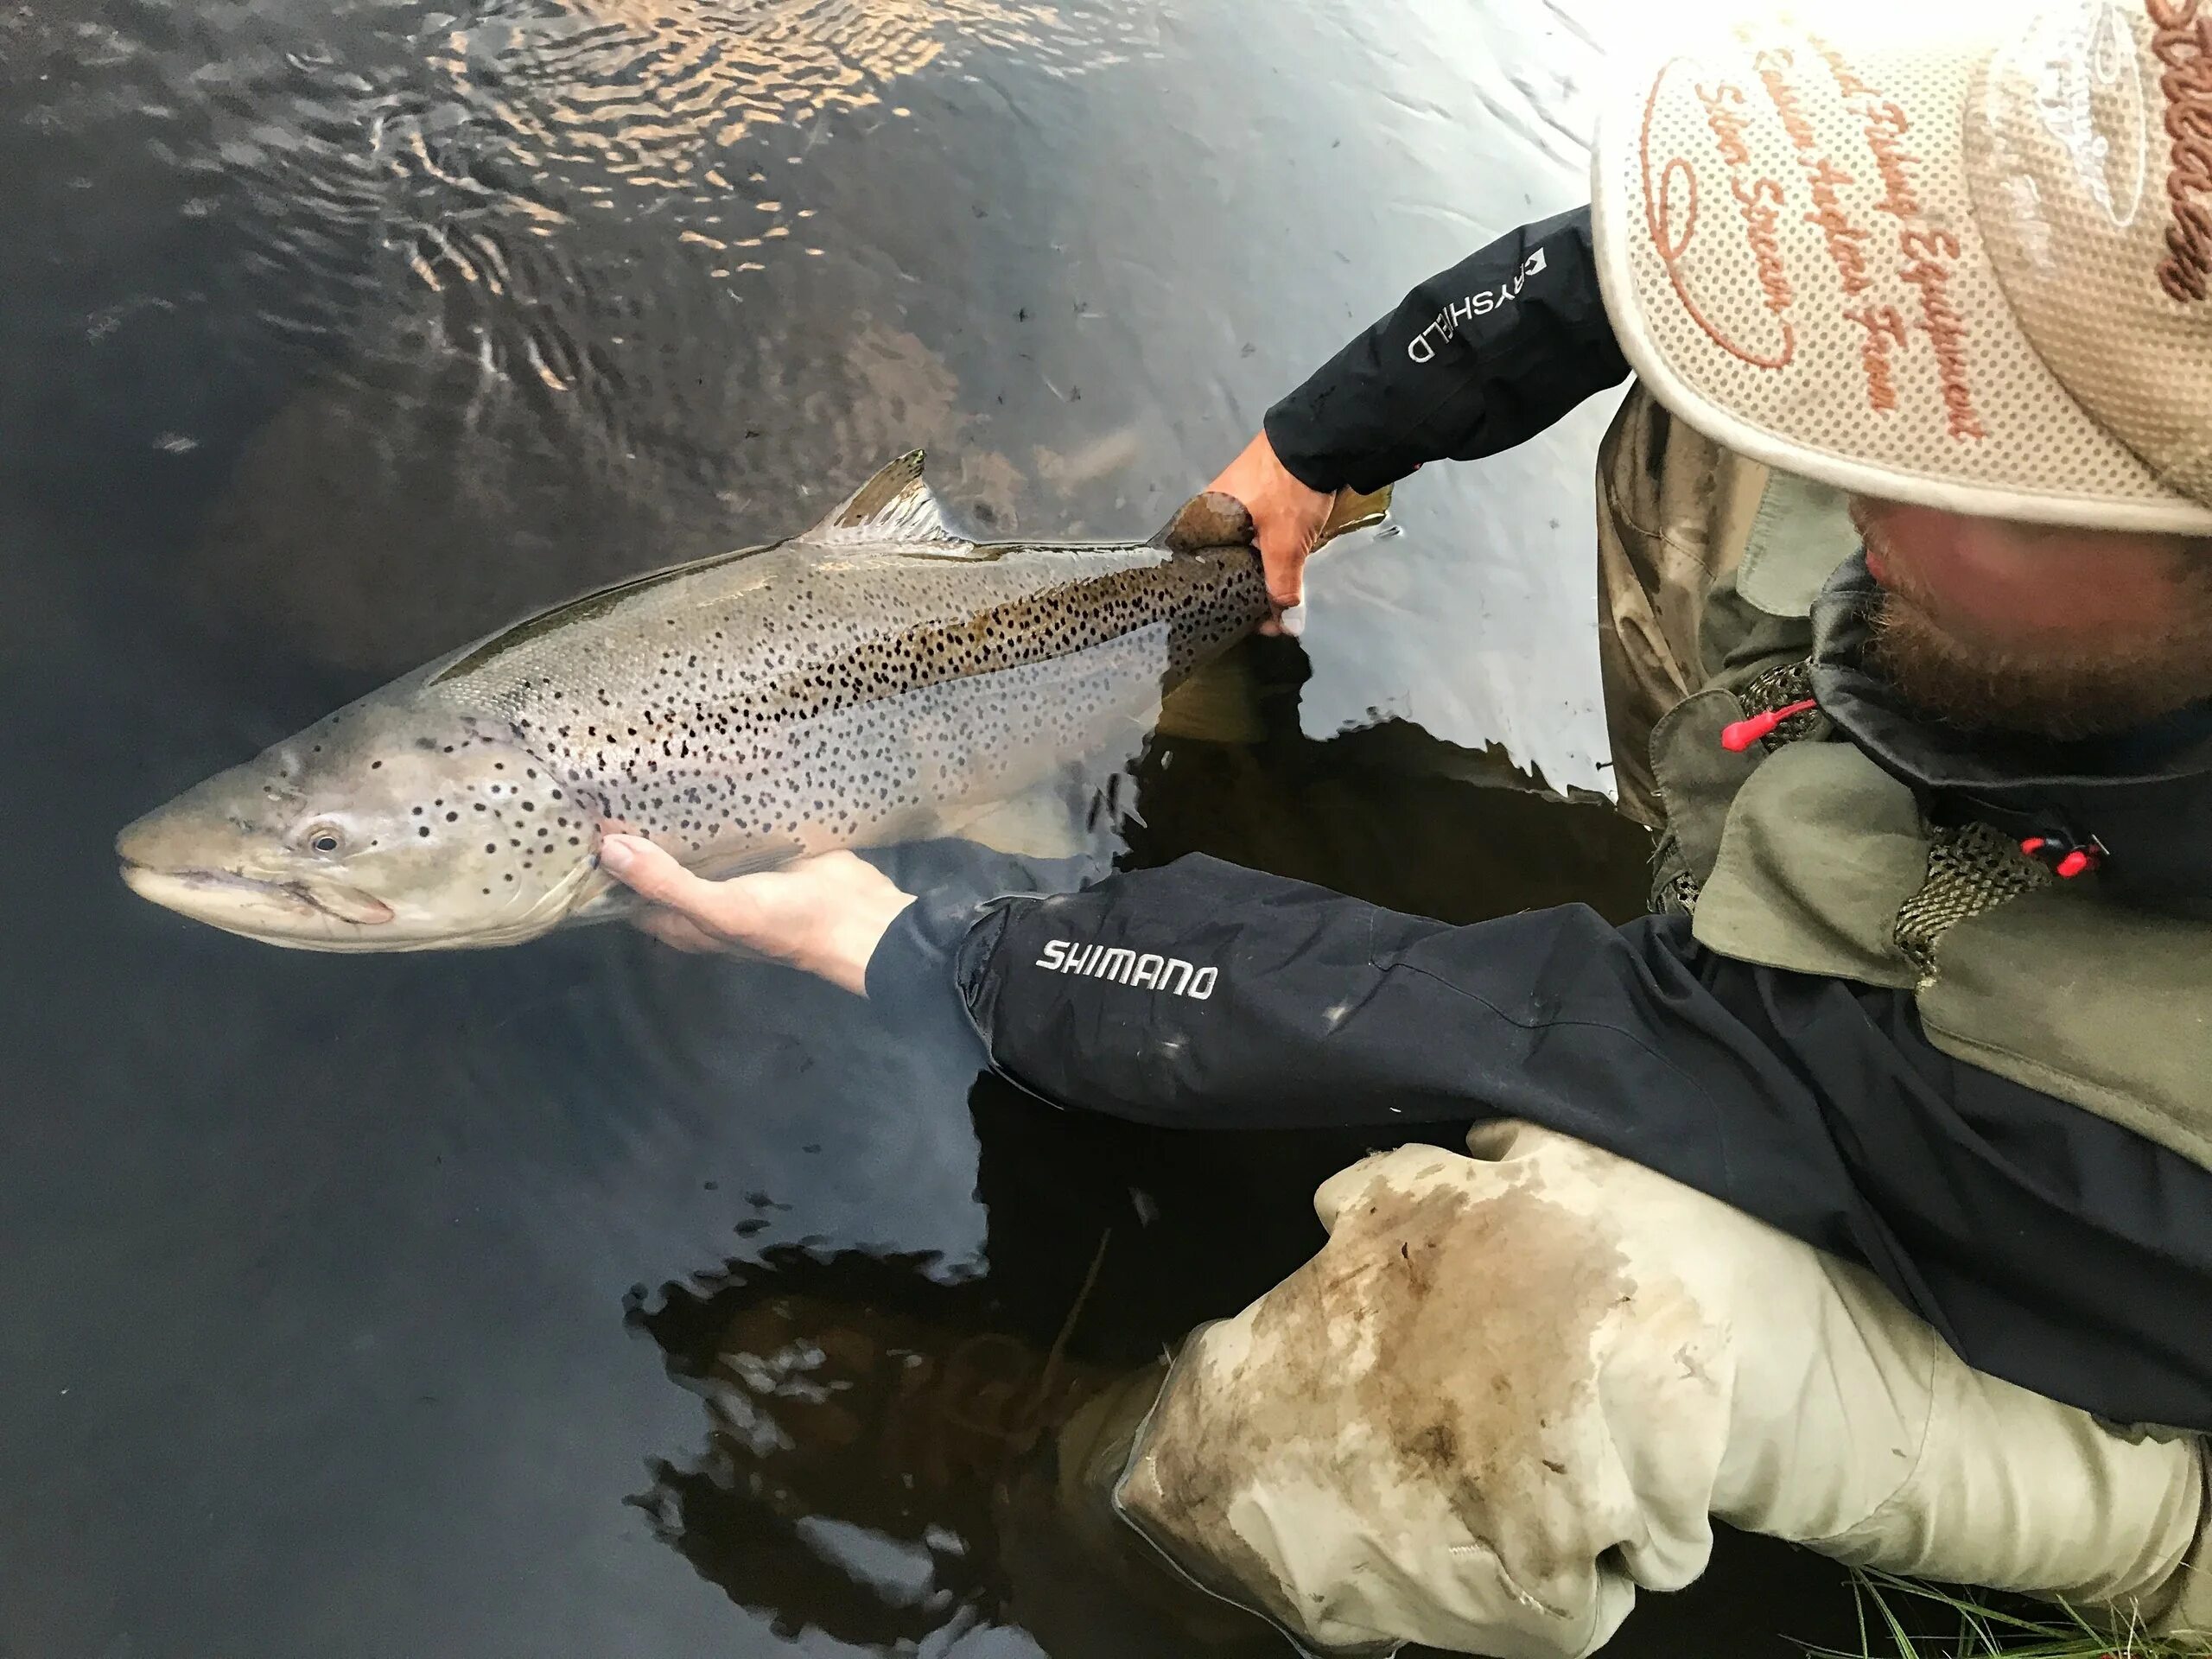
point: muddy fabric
(1514, 1386)
(1079, 1573)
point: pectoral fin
(1219, 704)
(1037, 823)
(750, 862)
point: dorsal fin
(895, 505)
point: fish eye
(325, 838)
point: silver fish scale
(801, 698)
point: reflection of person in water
(882, 1460)
(1856, 1194)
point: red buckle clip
(2073, 862)
(1743, 734)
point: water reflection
(868, 1417)
(635, 103)
(327, 357)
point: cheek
(1999, 582)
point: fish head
(390, 825)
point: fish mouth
(324, 916)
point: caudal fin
(1215, 519)
(1210, 519)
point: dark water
(386, 1306)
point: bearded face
(2050, 631)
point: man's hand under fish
(824, 915)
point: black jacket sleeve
(2050, 1246)
(1472, 361)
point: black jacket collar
(2141, 800)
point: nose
(178, 837)
(134, 843)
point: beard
(2065, 692)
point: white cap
(1961, 258)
